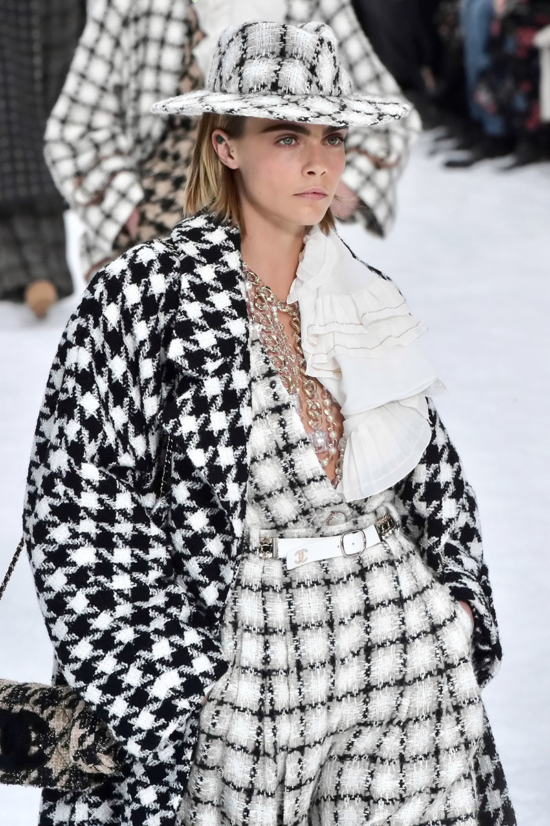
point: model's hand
(346, 207)
(132, 224)
(467, 609)
(205, 698)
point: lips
(312, 191)
(314, 194)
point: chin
(312, 214)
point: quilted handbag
(49, 736)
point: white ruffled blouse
(362, 343)
(215, 15)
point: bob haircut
(211, 184)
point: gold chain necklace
(264, 307)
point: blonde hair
(211, 184)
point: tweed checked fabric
(164, 172)
(273, 70)
(288, 489)
(133, 586)
(351, 695)
(350, 698)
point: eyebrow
(287, 126)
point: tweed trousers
(350, 696)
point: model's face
(286, 171)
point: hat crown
(276, 58)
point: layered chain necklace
(290, 363)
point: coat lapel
(209, 413)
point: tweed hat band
(273, 70)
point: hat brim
(350, 110)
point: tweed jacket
(130, 56)
(132, 580)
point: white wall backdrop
(471, 252)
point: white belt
(298, 552)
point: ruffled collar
(317, 261)
(361, 341)
(215, 15)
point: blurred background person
(473, 67)
(542, 42)
(124, 171)
(410, 50)
(489, 135)
(502, 66)
(37, 42)
(511, 85)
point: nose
(315, 164)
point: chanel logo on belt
(300, 556)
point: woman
(257, 556)
(123, 171)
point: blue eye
(339, 138)
(286, 138)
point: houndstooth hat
(263, 69)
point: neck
(272, 250)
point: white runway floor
(471, 252)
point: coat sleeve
(126, 634)
(87, 145)
(376, 157)
(438, 510)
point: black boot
(527, 152)
(489, 147)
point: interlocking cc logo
(24, 737)
(300, 556)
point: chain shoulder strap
(13, 563)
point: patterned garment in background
(510, 87)
(37, 41)
(164, 173)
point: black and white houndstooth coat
(130, 55)
(132, 583)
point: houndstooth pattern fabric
(133, 586)
(130, 55)
(439, 510)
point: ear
(224, 148)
